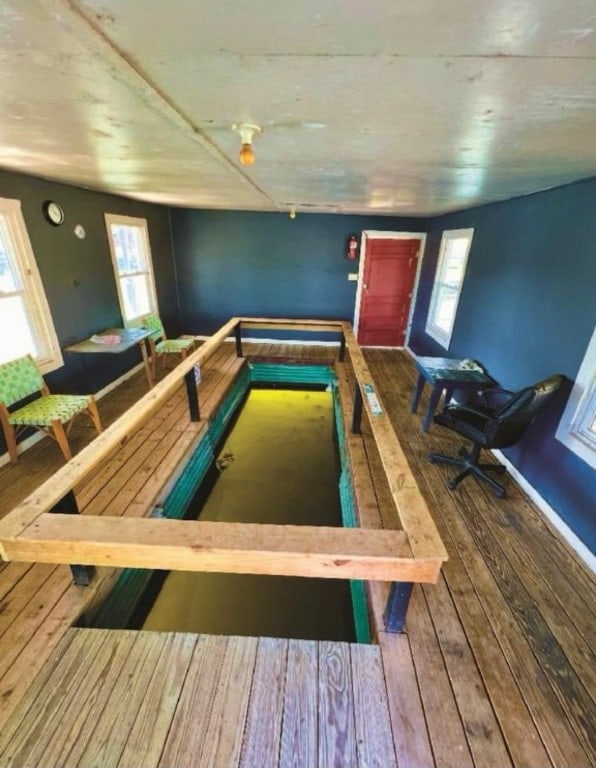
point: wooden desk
(446, 374)
(128, 338)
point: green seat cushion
(43, 411)
(173, 345)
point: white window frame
(130, 221)
(579, 414)
(31, 287)
(433, 330)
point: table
(445, 373)
(128, 338)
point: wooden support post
(193, 396)
(82, 575)
(397, 606)
(342, 348)
(357, 415)
(238, 334)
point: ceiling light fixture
(247, 132)
(292, 213)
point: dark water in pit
(279, 464)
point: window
(131, 257)
(25, 318)
(449, 278)
(577, 428)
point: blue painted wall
(78, 276)
(527, 310)
(240, 263)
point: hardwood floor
(496, 667)
(121, 698)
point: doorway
(387, 279)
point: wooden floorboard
(496, 668)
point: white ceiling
(384, 106)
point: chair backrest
(153, 323)
(516, 415)
(18, 379)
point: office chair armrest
(471, 411)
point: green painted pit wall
(119, 607)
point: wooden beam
(328, 326)
(410, 504)
(66, 478)
(288, 550)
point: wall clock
(53, 213)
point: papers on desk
(470, 365)
(110, 338)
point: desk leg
(433, 401)
(417, 393)
(143, 346)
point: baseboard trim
(32, 440)
(566, 532)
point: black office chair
(497, 419)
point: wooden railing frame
(30, 533)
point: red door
(388, 282)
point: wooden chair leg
(10, 438)
(153, 360)
(61, 439)
(94, 413)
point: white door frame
(373, 234)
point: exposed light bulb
(247, 155)
(246, 131)
(292, 213)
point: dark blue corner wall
(78, 276)
(266, 264)
(527, 310)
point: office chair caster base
(468, 463)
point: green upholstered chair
(51, 414)
(161, 346)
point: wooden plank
(57, 486)
(560, 603)
(186, 738)
(223, 737)
(24, 617)
(533, 589)
(410, 732)
(480, 723)
(22, 739)
(337, 735)
(409, 502)
(570, 689)
(526, 707)
(447, 735)
(12, 722)
(32, 648)
(291, 325)
(525, 713)
(371, 709)
(299, 742)
(154, 714)
(74, 718)
(290, 550)
(262, 737)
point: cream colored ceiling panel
(410, 107)
(358, 27)
(69, 114)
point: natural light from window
(24, 313)
(577, 428)
(131, 257)
(449, 278)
